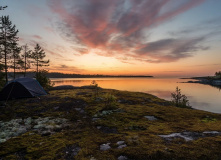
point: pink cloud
(49, 29)
(37, 37)
(116, 26)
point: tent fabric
(22, 88)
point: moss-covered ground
(125, 122)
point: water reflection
(201, 96)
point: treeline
(18, 58)
(63, 75)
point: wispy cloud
(169, 50)
(65, 68)
(37, 37)
(116, 28)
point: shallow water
(203, 97)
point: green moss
(139, 133)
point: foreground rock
(190, 136)
(105, 147)
(44, 126)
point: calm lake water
(203, 97)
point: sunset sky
(122, 37)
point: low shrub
(179, 100)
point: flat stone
(176, 135)
(56, 108)
(98, 127)
(39, 126)
(189, 136)
(2, 140)
(151, 118)
(120, 143)
(49, 127)
(105, 147)
(77, 109)
(122, 158)
(95, 119)
(122, 146)
(211, 132)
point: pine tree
(26, 56)
(38, 56)
(16, 61)
(179, 100)
(8, 40)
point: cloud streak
(116, 28)
(65, 68)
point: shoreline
(206, 81)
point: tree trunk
(14, 67)
(37, 65)
(6, 67)
(25, 59)
(6, 72)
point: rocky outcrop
(44, 126)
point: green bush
(41, 77)
(179, 100)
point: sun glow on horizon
(169, 38)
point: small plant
(110, 101)
(95, 88)
(208, 119)
(179, 100)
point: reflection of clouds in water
(68, 82)
(199, 105)
(193, 101)
(202, 97)
(205, 106)
(75, 82)
(64, 81)
(161, 94)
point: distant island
(63, 75)
(214, 81)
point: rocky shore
(207, 81)
(96, 124)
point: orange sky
(123, 37)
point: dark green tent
(22, 88)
